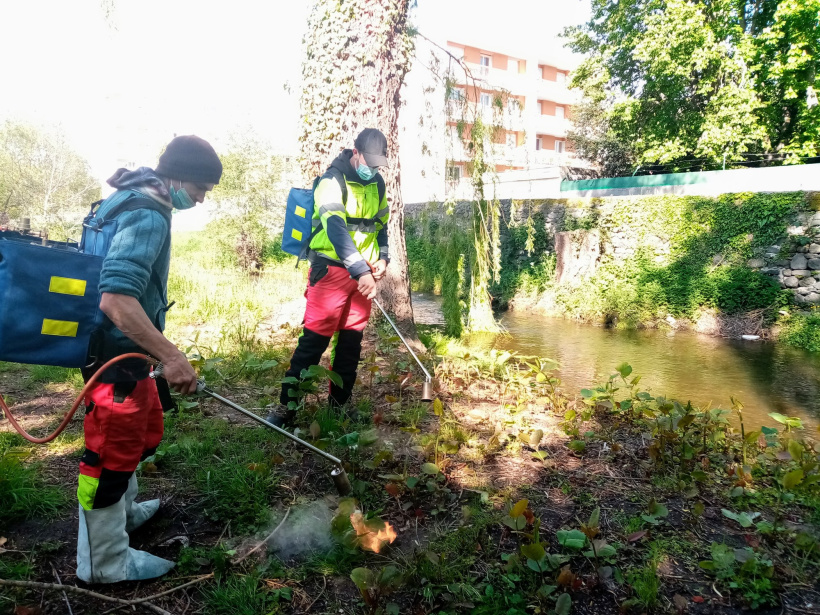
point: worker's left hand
(379, 268)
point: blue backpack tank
(49, 290)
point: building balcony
(555, 92)
(552, 125)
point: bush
(803, 331)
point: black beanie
(190, 159)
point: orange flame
(373, 534)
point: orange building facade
(527, 98)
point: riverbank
(738, 264)
(506, 496)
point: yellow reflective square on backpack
(297, 235)
(300, 211)
(67, 286)
(60, 328)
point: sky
(121, 77)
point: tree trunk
(357, 53)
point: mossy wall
(660, 256)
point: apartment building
(527, 97)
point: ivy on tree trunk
(357, 53)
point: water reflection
(687, 366)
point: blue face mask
(180, 199)
(366, 172)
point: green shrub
(802, 331)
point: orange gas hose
(77, 402)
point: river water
(765, 376)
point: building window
(512, 140)
(486, 63)
(559, 147)
(458, 52)
(486, 101)
(453, 173)
(457, 94)
(561, 78)
(515, 105)
(538, 144)
(512, 66)
(559, 112)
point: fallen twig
(164, 593)
(65, 595)
(267, 538)
(84, 592)
(321, 593)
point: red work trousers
(335, 303)
(123, 425)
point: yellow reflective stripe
(61, 328)
(67, 286)
(297, 235)
(300, 211)
(87, 491)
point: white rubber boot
(137, 513)
(103, 555)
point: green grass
(40, 374)
(244, 595)
(23, 492)
(802, 331)
(645, 585)
(231, 467)
(218, 304)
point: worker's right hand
(180, 375)
(367, 286)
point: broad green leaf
(515, 523)
(780, 418)
(350, 439)
(368, 437)
(595, 517)
(518, 509)
(624, 369)
(411, 482)
(744, 519)
(658, 510)
(563, 605)
(572, 539)
(540, 455)
(793, 479)
(577, 446)
(438, 407)
(363, 578)
(533, 551)
(795, 450)
(586, 393)
(335, 378)
(430, 468)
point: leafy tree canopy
(43, 179)
(683, 82)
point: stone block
(797, 230)
(757, 263)
(815, 220)
(808, 281)
(814, 248)
(813, 298)
(784, 262)
(773, 271)
(801, 273)
(814, 263)
(791, 282)
(798, 262)
(803, 290)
